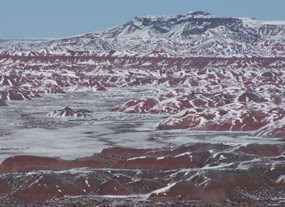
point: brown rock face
(112, 187)
(69, 112)
(158, 163)
(18, 95)
(241, 119)
(186, 190)
(263, 150)
(5, 189)
(137, 106)
(2, 103)
(208, 173)
(29, 163)
(47, 188)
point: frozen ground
(26, 130)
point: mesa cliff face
(184, 35)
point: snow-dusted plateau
(178, 110)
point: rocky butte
(208, 74)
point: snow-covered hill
(189, 34)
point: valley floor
(121, 159)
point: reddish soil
(197, 93)
(200, 93)
(215, 174)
